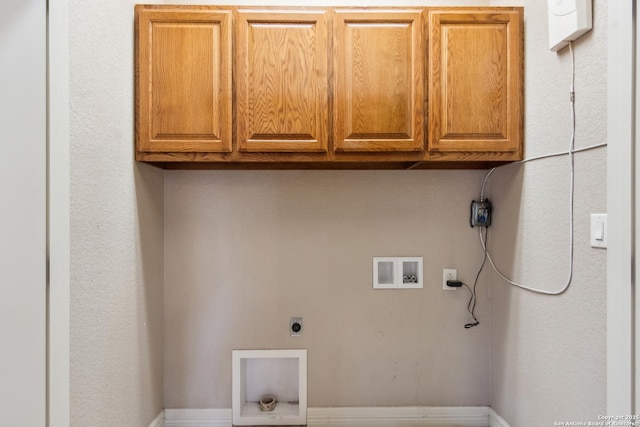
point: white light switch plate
(599, 232)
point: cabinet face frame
(364, 64)
(493, 124)
(260, 83)
(168, 118)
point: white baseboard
(158, 421)
(197, 417)
(462, 416)
(496, 420)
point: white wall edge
(462, 416)
(635, 310)
(496, 420)
(620, 206)
(158, 421)
(58, 110)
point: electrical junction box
(568, 20)
(480, 214)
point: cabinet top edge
(142, 6)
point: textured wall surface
(549, 353)
(116, 230)
(245, 250)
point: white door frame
(620, 206)
(23, 213)
(59, 219)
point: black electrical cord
(471, 307)
(472, 298)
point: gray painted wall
(549, 353)
(245, 250)
(116, 230)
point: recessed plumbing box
(260, 373)
(397, 273)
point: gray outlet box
(480, 214)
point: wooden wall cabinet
(282, 81)
(475, 84)
(183, 81)
(366, 88)
(379, 59)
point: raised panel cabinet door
(282, 63)
(379, 80)
(475, 81)
(184, 80)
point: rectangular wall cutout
(397, 273)
(281, 373)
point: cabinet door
(379, 85)
(475, 81)
(183, 76)
(282, 99)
